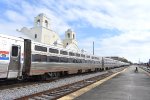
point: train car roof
(11, 37)
(52, 46)
(21, 37)
(68, 50)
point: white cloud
(25, 12)
(15, 17)
(132, 45)
(130, 17)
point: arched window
(68, 35)
(46, 23)
(38, 22)
(35, 36)
(66, 44)
(73, 36)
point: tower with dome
(70, 40)
(41, 32)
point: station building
(41, 32)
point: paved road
(125, 86)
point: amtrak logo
(4, 55)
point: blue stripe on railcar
(4, 58)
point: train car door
(15, 64)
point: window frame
(52, 50)
(63, 52)
(16, 52)
(40, 48)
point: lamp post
(93, 47)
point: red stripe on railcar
(4, 52)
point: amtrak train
(24, 58)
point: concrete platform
(125, 86)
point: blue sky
(118, 27)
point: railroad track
(64, 90)
(56, 93)
(7, 84)
(55, 89)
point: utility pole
(93, 47)
(139, 61)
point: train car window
(93, 57)
(53, 59)
(74, 61)
(96, 62)
(78, 60)
(63, 52)
(83, 61)
(39, 58)
(15, 51)
(82, 55)
(87, 56)
(43, 58)
(88, 61)
(53, 50)
(97, 58)
(93, 62)
(77, 55)
(63, 59)
(70, 60)
(71, 54)
(40, 48)
(36, 57)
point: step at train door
(15, 64)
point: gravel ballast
(18, 92)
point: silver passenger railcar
(23, 57)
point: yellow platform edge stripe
(88, 88)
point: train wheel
(20, 78)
